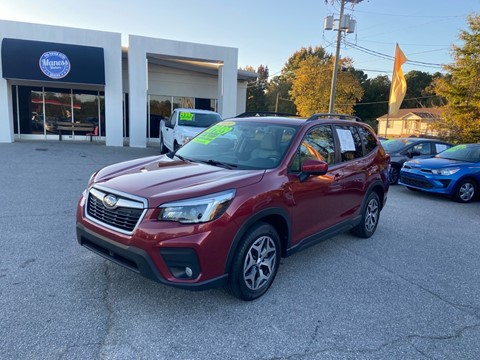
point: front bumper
(139, 261)
(426, 182)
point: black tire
(255, 263)
(163, 148)
(465, 191)
(370, 217)
(176, 146)
(393, 174)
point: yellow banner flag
(399, 85)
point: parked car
(454, 172)
(228, 204)
(183, 125)
(404, 149)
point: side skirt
(324, 235)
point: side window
(350, 142)
(318, 144)
(369, 140)
(423, 148)
(171, 121)
(440, 147)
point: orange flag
(399, 85)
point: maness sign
(45, 61)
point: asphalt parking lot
(412, 291)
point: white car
(183, 125)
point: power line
(386, 101)
(389, 57)
(414, 16)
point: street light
(345, 24)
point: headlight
(90, 180)
(186, 139)
(197, 210)
(449, 171)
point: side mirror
(413, 153)
(313, 167)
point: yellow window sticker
(211, 134)
(186, 116)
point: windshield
(243, 144)
(187, 118)
(395, 145)
(468, 153)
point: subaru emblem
(110, 201)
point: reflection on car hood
(434, 163)
(160, 179)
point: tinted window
(350, 142)
(318, 144)
(369, 140)
(394, 145)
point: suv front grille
(123, 217)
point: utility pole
(335, 66)
(346, 24)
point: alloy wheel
(259, 264)
(371, 215)
(466, 191)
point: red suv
(227, 205)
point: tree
(419, 92)
(461, 88)
(375, 99)
(256, 90)
(312, 82)
(280, 86)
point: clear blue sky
(268, 32)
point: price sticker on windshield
(211, 134)
(186, 116)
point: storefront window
(183, 102)
(160, 108)
(38, 110)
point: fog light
(188, 271)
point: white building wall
(175, 82)
(138, 49)
(110, 42)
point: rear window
(369, 140)
(395, 144)
(188, 118)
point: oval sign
(54, 64)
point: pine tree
(461, 88)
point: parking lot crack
(110, 318)
(468, 309)
(410, 339)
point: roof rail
(334, 116)
(264, 113)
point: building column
(6, 112)
(227, 79)
(137, 93)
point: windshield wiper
(181, 158)
(218, 163)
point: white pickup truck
(183, 125)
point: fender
(265, 213)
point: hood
(436, 163)
(190, 131)
(160, 179)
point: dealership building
(52, 75)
